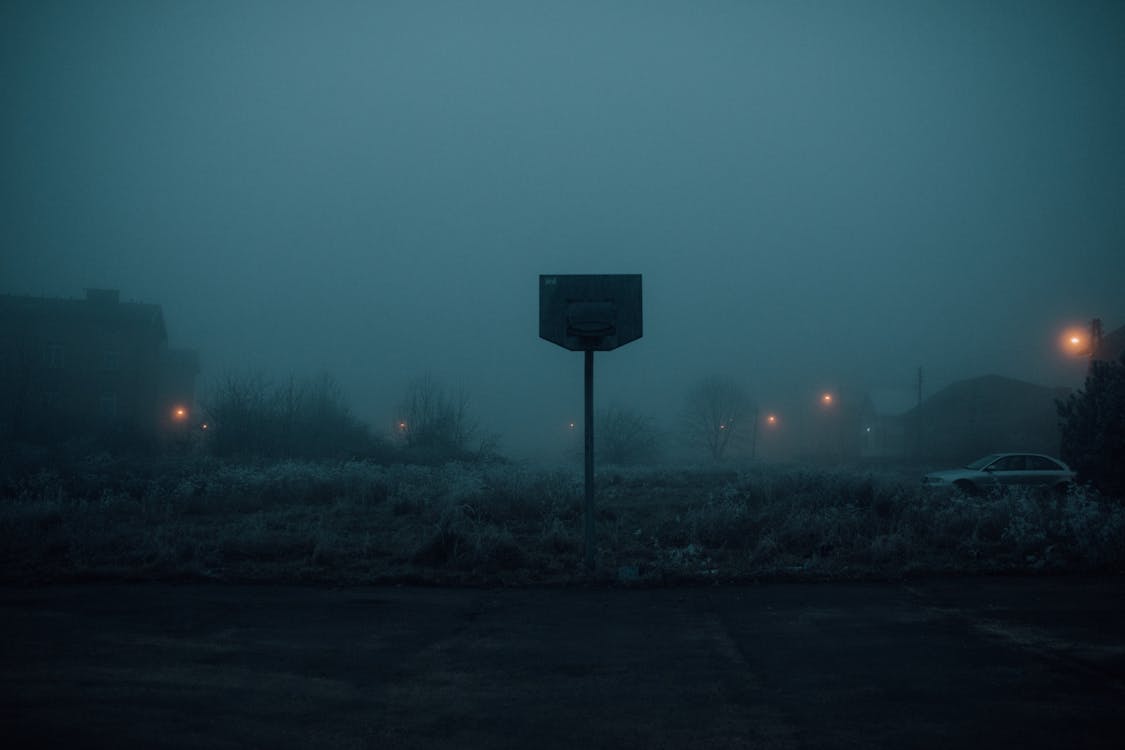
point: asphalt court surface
(958, 662)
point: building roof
(989, 391)
(102, 305)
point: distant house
(972, 418)
(88, 366)
(883, 430)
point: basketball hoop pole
(589, 459)
(588, 313)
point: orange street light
(179, 413)
(1075, 342)
(826, 399)
(771, 420)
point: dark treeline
(252, 417)
(249, 416)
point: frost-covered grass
(357, 522)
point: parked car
(1003, 470)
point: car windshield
(980, 463)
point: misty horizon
(817, 197)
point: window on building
(107, 406)
(55, 356)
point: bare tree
(434, 421)
(718, 415)
(324, 419)
(625, 436)
(300, 419)
(239, 411)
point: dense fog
(818, 195)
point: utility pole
(754, 437)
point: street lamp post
(835, 441)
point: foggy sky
(817, 194)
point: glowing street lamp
(179, 414)
(1075, 342)
(826, 399)
(771, 420)
(1081, 341)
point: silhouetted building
(884, 430)
(989, 414)
(96, 365)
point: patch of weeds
(558, 538)
(501, 552)
(354, 521)
(442, 547)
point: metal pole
(589, 460)
(754, 439)
(918, 418)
